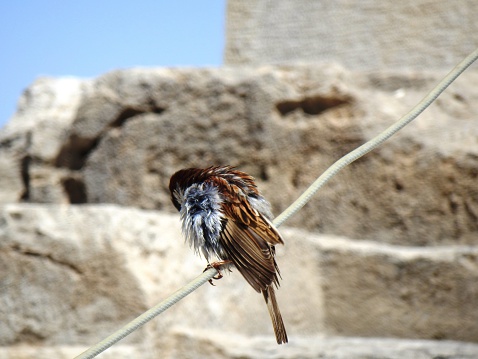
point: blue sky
(88, 38)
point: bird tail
(274, 312)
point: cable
(291, 210)
(376, 141)
(148, 315)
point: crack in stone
(48, 257)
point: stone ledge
(199, 344)
(72, 274)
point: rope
(291, 210)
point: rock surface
(365, 35)
(227, 346)
(71, 275)
(187, 344)
(387, 249)
(117, 139)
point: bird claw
(217, 266)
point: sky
(88, 38)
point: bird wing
(248, 239)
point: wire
(376, 141)
(148, 315)
(291, 210)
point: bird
(224, 216)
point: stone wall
(387, 249)
(364, 35)
(125, 133)
(71, 275)
(382, 262)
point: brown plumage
(224, 215)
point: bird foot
(217, 266)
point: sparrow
(224, 216)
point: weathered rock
(128, 131)
(45, 113)
(32, 140)
(375, 290)
(217, 345)
(366, 35)
(11, 181)
(73, 274)
(61, 283)
(220, 345)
